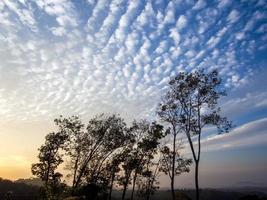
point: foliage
(190, 104)
(49, 159)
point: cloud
(181, 22)
(247, 99)
(199, 5)
(23, 12)
(58, 31)
(175, 36)
(233, 16)
(66, 57)
(223, 3)
(214, 40)
(250, 134)
(63, 10)
(170, 13)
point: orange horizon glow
(19, 146)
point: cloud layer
(251, 134)
(84, 57)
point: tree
(129, 164)
(49, 159)
(192, 102)
(148, 140)
(104, 135)
(140, 153)
(113, 168)
(172, 163)
(147, 182)
(73, 128)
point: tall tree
(113, 168)
(147, 182)
(192, 102)
(104, 135)
(73, 128)
(172, 163)
(49, 159)
(141, 154)
(150, 146)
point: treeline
(102, 154)
(29, 189)
(105, 152)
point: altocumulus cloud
(84, 57)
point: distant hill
(249, 189)
(18, 190)
(205, 194)
(29, 189)
(212, 194)
(30, 181)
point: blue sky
(86, 57)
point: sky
(83, 57)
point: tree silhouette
(105, 151)
(148, 140)
(140, 153)
(192, 103)
(172, 163)
(103, 136)
(73, 128)
(147, 182)
(49, 159)
(112, 168)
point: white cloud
(63, 10)
(117, 58)
(246, 103)
(223, 3)
(250, 134)
(175, 36)
(100, 7)
(240, 35)
(233, 16)
(181, 22)
(170, 13)
(190, 54)
(25, 15)
(214, 40)
(58, 31)
(199, 5)
(65, 20)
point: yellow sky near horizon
(20, 140)
(19, 145)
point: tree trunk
(173, 163)
(88, 159)
(125, 188)
(74, 175)
(134, 180)
(138, 192)
(198, 156)
(152, 181)
(124, 192)
(148, 196)
(148, 193)
(172, 188)
(111, 185)
(150, 186)
(196, 180)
